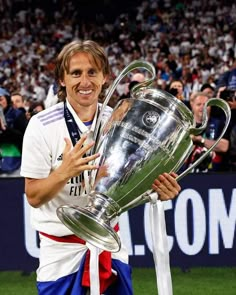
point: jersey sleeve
(36, 154)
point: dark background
(86, 9)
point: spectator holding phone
(177, 89)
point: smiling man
(55, 163)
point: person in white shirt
(54, 161)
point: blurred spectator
(215, 161)
(51, 97)
(138, 77)
(230, 97)
(39, 91)
(228, 78)
(208, 90)
(18, 101)
(35, 108)
(11, 134)
(232, 149)
(135, 79)
(176, 88)
(130, 86)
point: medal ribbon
(74, 132)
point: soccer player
(55, 159)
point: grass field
(197, 281)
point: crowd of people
(190, 43)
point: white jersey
(43, 146)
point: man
(17, 101)
(55, 159)
(202, 142)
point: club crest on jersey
(60, 157)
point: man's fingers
(89, 159)
(82, 147)
(166, 186)
(68, 145)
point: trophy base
(91, 221)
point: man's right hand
(75, 160)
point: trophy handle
(132, 66)
(195, 131)
(146, 196)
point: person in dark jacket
(13, 122)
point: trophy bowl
(147, 134)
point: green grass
(198, 281)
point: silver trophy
(146, 135)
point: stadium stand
(189, 40)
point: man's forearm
(41, 191)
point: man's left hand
(166, 186)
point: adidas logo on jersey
(59, 158)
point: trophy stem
(92, 220)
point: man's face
(17, 101)
(197, 107)
(83, 81)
